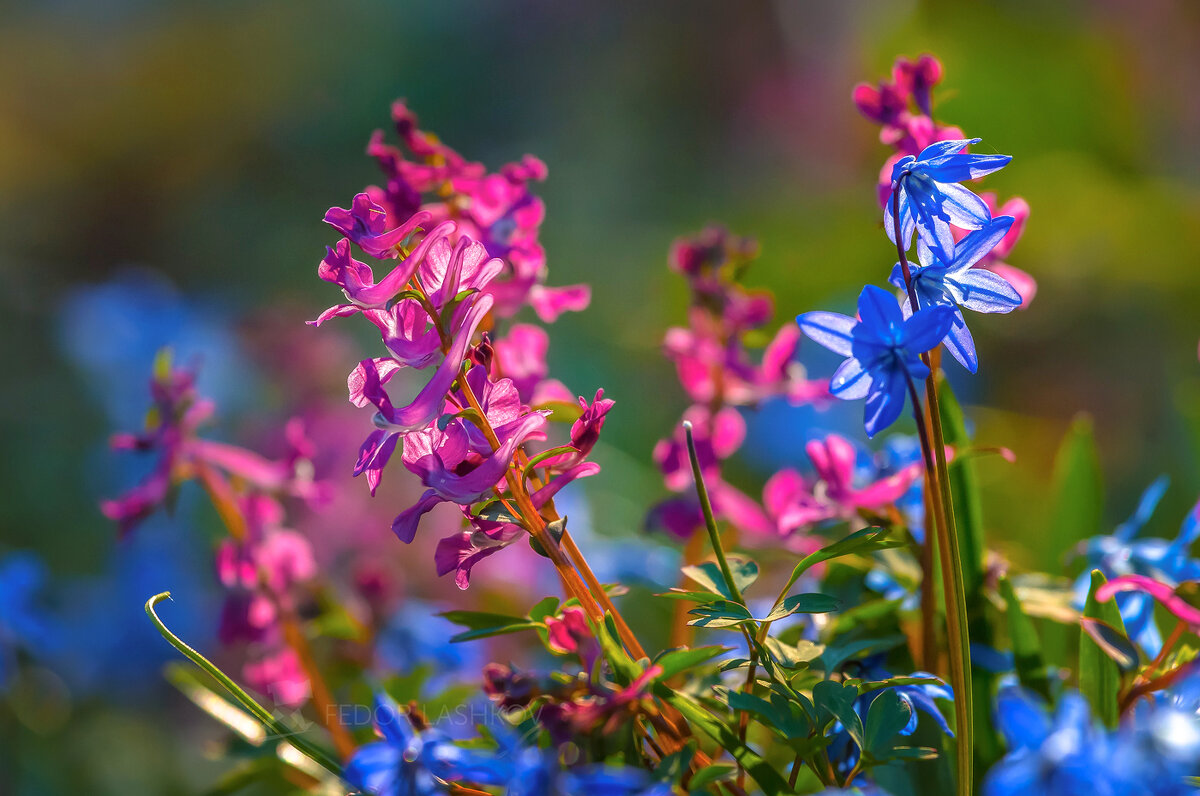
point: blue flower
(538, 772)
(882, 349)
(25, 624)
(410, 763)
(918, 698)
(1065, 754)
(1069, 754)
(931, 198)
(1120, 554)
(954, 282)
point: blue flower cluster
(1067, 753)
(411, 763)
(883, 346)
(1122, 554)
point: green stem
(956, 597)
(933, 447)
(283, 731)
(710, 521)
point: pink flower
(521, 356)
(571, 635)
(279, 675)
(994, 260)
(716, 437)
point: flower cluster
(263, 565)
(460, 263)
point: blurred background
(164, 168)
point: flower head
(957, 283)
(930, 198)
(882, 351)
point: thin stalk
(322, 699)
(933, 448)
(710, 521)
(929, 650)
(281, 730)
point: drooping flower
(882, 350)
(957, 283)
(931, 199)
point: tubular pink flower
(366, 223)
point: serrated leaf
(708, 575)
(680, 660)
(1099, 675)
(886, 717)
(810, 603)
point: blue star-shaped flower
(931, 198)
(883, 350)
(1123, 554)
(956, 283)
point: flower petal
(830, 329)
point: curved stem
(273, 724)
(710, 521)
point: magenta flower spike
(366, 223)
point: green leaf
(494, 511)
(1099, 675)
(484, 625)
(717, 772)
(886, 717)
(691, 596)
(672, 767)
(793, 657)
(708, 575)
(863, 541)
(964, 484)
(1026, 648)
(774, 716)
(721, 613)
(835, 700)
(811, 603)
(835, 655)
(701, 719)
(680, 660)
(1078, 491)
(547, 606)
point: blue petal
(879, 311)
(925, 255)
(897, 277)
(940, 149)
(375, 767)
(392, 722)
(1021, 719)
(983, 291)
(886, 401)
(958, 167)
(975, 247)
(1145, 509)
(928, 327)
(850, 381)
(935, 231)
(963, 208)
(961, 345)
(830, 329)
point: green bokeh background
(205, 141)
